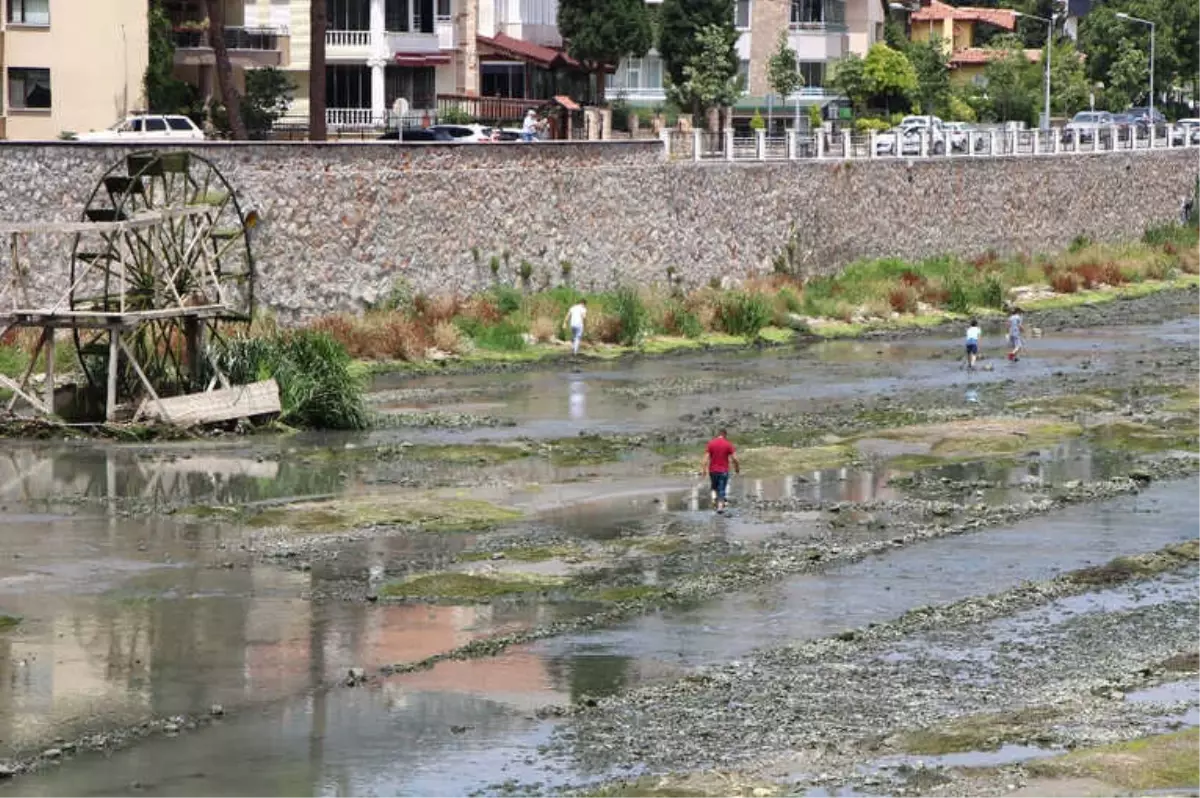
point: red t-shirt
(719, 452)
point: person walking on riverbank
(719, 455)
(1016, 327)
(973, 333)
(574, 320)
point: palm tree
(229, 92)
(316, 71)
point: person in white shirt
(575, 316)
(973, 333)
(529, 127)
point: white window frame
(10, 94)
(749, 14)
(9, 7)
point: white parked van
(147, 129)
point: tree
(710, 78)
(1128, 76)
(783, 71)
(166, 94)
(1012, 84)
(681, 22)
(1177, 48)
(932, 68)
(1069, 86)
(268, 97)
(229, 93)
(846, 76)
(601, 32)
(316, 71)
(890, 77)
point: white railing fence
(729, 145)
(347, 38)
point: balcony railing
(352, 117)
(236, 38)
(487, 109)
(347, 38)
(817, 27)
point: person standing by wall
(719, 455)
(1016, 327)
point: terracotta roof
(936, 11)
(985, 55)
(527, 51)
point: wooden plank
(224, 404)
(136, 222)
(35, 403)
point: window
(502, 79)
(813, 73)
(179, 123)
(817, 13)
(743, 76)
(29, 12)
(443, 10)
(156, 124)
(347, 86)
(415, 84)
(28, 88)
(741, 15)
(135, 125)
(638, 75)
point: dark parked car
(416, 134)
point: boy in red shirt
(717, 458)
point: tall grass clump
(504, 336)
(318, 388)
(742, 313)
(632, 315)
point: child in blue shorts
(973, 333)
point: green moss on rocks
(429, 512)
(468, 587)
(1160, 762)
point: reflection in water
(577, 403)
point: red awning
(566, 102)
(422, 59)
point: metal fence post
(922, 145)
(846, 145)
(820, 138)
(665, 137)
(871, 144)
(729, 144)
(992, 142)
(1170, 135)
(760, 144)
(791, 144)
(697, 143)
(1054, 140)
(1037, 142)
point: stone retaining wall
(342, 222)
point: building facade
(820, 31)
(954, 27)
(70, 66)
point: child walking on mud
(973, 333)
(1016, 327)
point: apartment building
(820, 31)
(425, 53)
(70, 65)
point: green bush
(454, 116)
(991, 293)
(632, 313)
(958, 298)
(744, 314)
(790, 300)
(867, 124)
(508, 299)
(503, 337)
(757, 122)
(317, 386)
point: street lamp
(1123, 15)
(1049, 50)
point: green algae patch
(661, 545)
(472, 454)
(468, 587)
(767, 460)
(1183, 400)
(983, 438)
(777, 335)
(209, 511)
(985, 732)
(1160, 762)
(1066, 405)
(1138, 566)
(1137, 437)
(524, 554)
(1181, 663)
(8, 622)
(585, 450)
(431, 513)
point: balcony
(247, 46)
(348, 44)
(823, 44)
(413, 43)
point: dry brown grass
(543, 329)
(378, 336)
(448, 338)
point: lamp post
(1049, 50)
(1123, 15)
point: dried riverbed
(521, 570)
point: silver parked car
(1186, 131)
(1085, 124)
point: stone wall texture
(343, 222)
